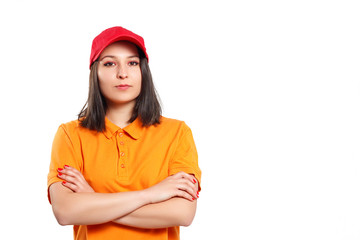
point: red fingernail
(60, 169)
(66, 166)
(63, 182)
(194, 180)
(60, 174)
(193, 198)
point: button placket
(122, 156)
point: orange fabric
(128, 159)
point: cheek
(102, 84)
(105, 80)
(139, 83)
(137, 79)
(104, 76)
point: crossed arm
(172, 202)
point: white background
(271, 90)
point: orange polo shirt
(120, 160)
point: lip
(122, 86)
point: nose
(122, 72)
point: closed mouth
(123, 86)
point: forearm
(93, 208)
(173, 212)
(75, 204)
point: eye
(109, 64)
(133, 63)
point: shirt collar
(134, 129)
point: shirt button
(121, 134)
(122, 154)
(121, 143)
(122, 165)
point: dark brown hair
(147, 107)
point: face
(119, 73)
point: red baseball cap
(111, 35)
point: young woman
(123, 171)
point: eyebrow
(112, 56)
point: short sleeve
(185, 157)
(62, 153)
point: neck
(120, 114)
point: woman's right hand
(180, 184)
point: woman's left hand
(74, 180)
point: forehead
(120, 48)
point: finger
(188, 187)
(64, 173)
(190, 177)
(196, 184)
(69, 171)
(70, 186)
(190, 183)
(185, 175)
(68, 178)
(185, 181)
(186, 195)
(74, 177)
(179, 175)
(70, 168)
